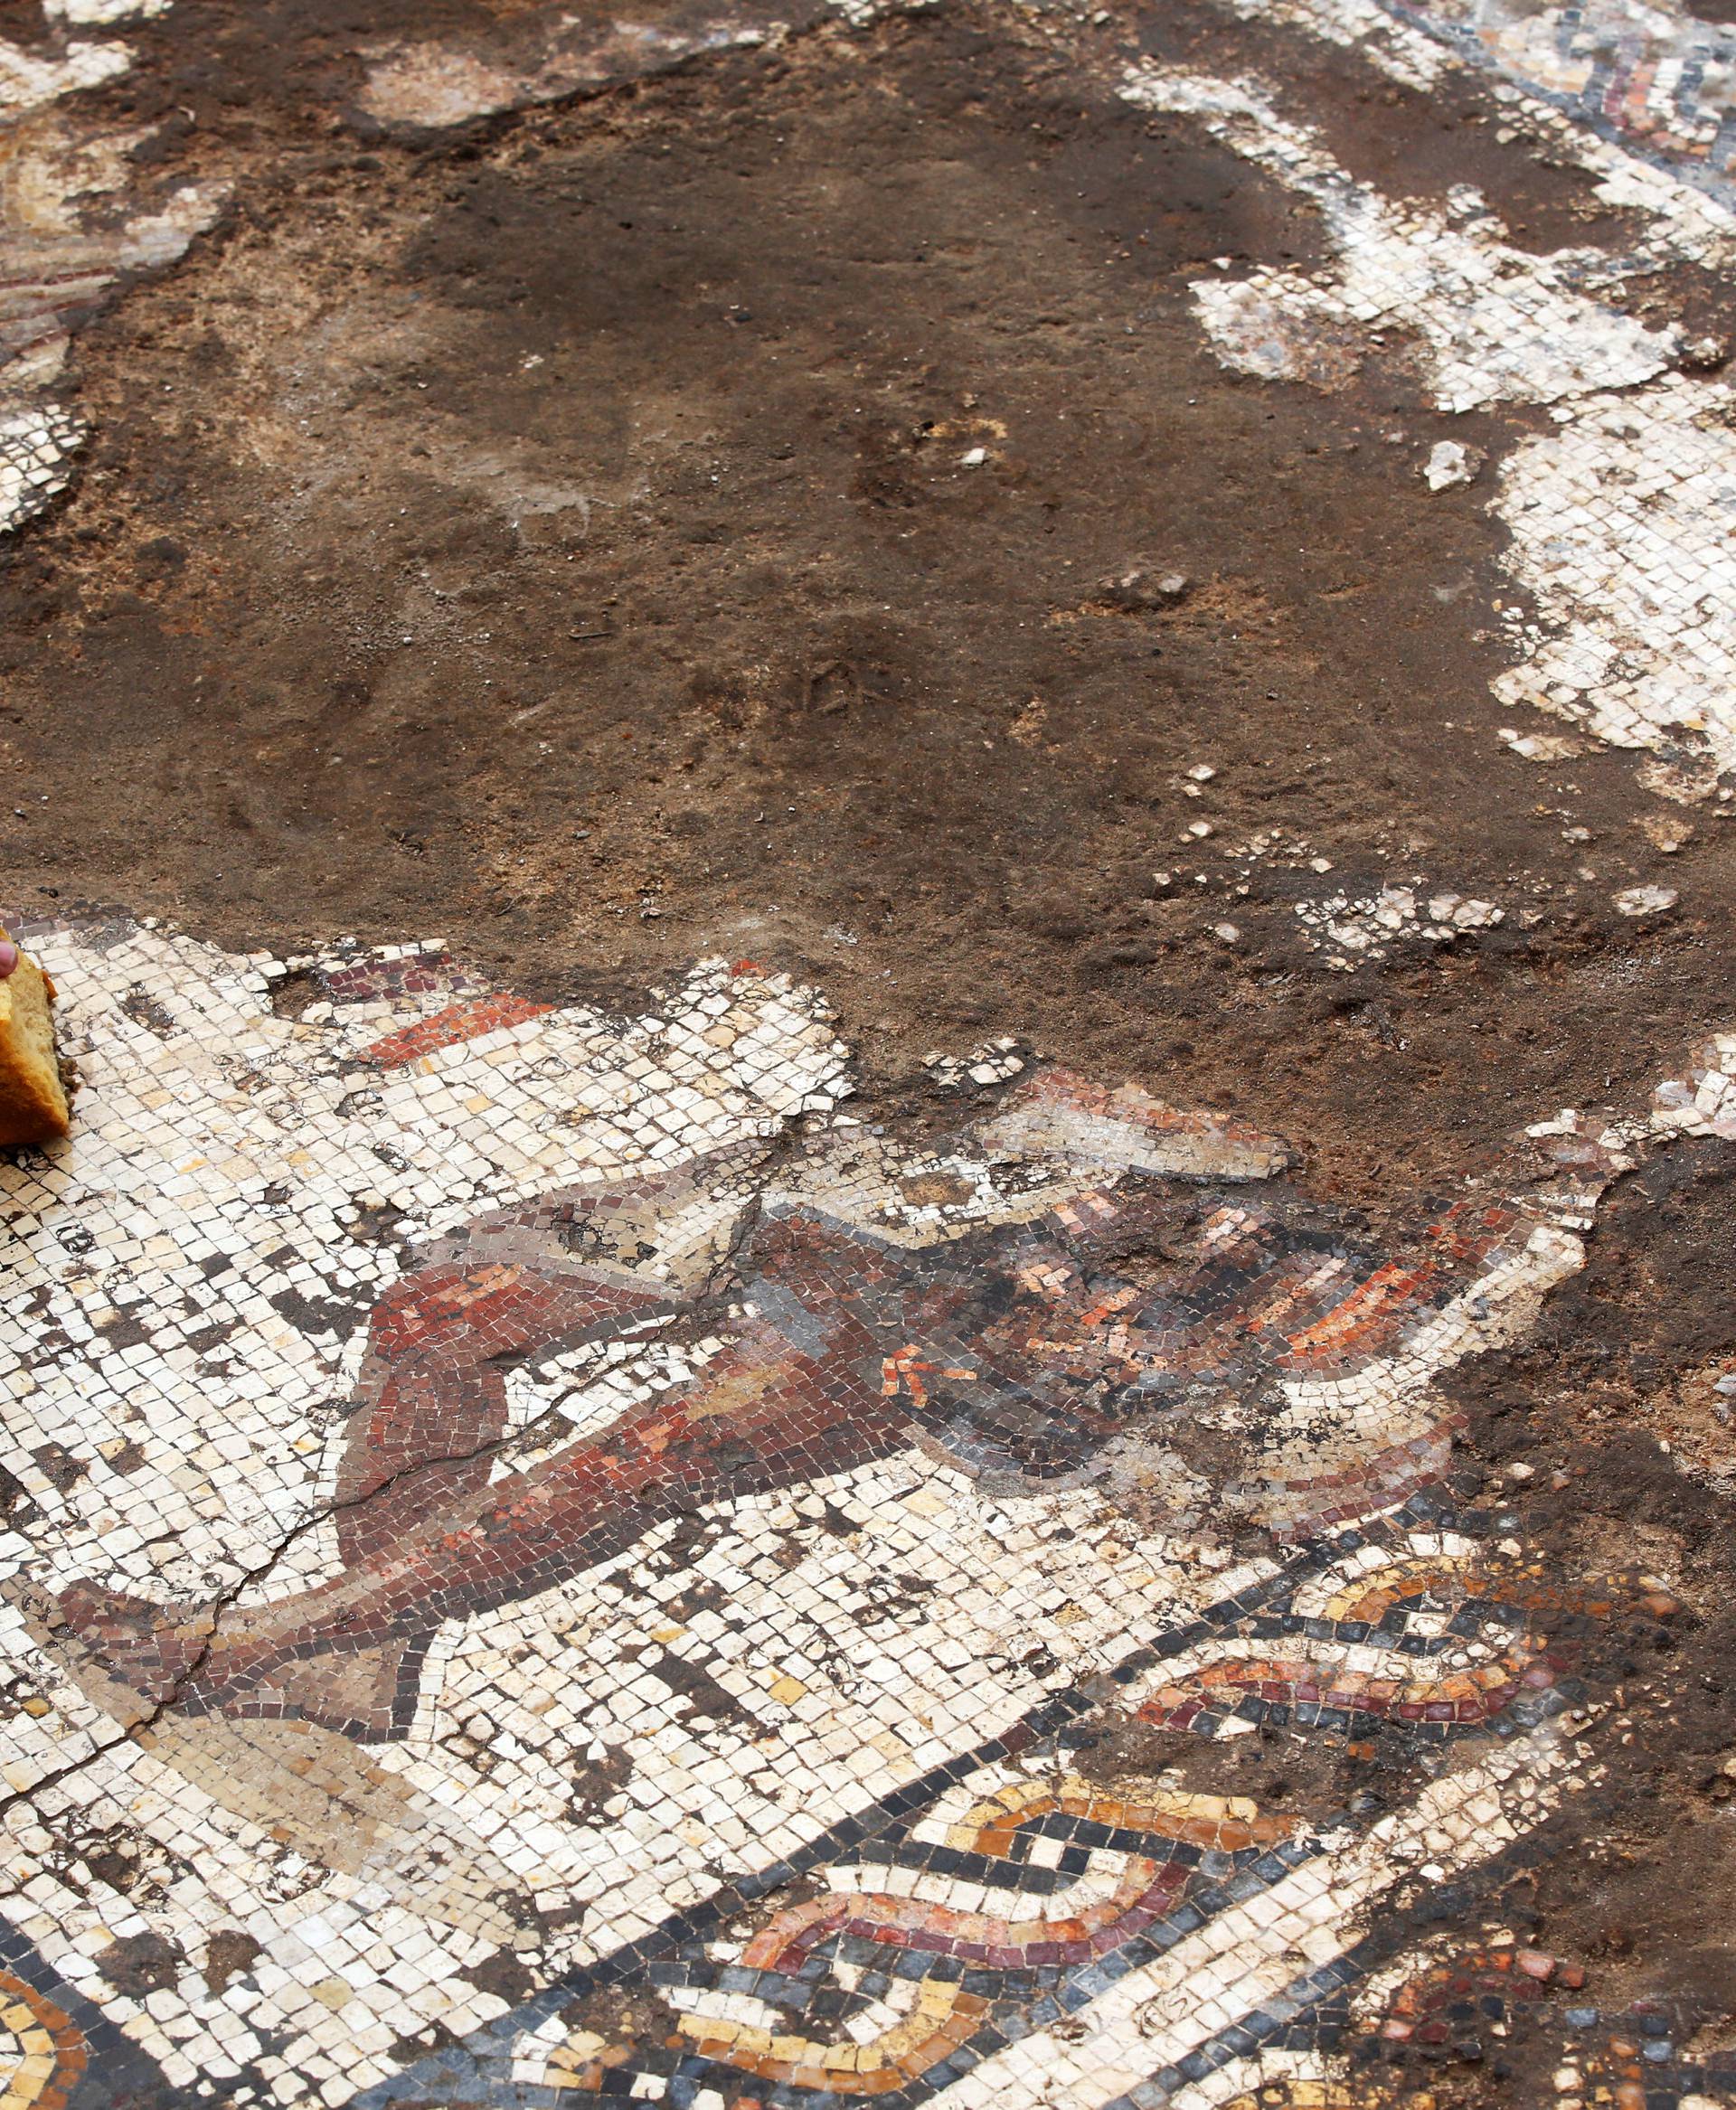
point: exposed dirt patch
(692, 520)
(1287, 1773)
(1570, 1429)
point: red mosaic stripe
(468, 1020)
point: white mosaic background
(208, 1126)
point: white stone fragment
(1367, 926)
(1621, 523)
(103, 13)
(1648, 901)
(37, 443)
(1540, 746)
(993, 1063)
(1449, 463)
(28, 81)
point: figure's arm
(523, 1283)
(1114, 1129)
(431, 1398)
(669, 1227)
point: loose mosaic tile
(1352, 929)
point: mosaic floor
(551, 1556)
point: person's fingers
(8, 957)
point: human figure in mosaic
(1144, 1303)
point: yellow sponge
(32, 1104)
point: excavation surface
(889, 855)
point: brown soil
(1643, 1856)
(563, 541)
